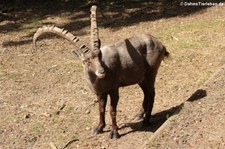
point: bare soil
(45, 102)
(200, 121)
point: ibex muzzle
(134, 60)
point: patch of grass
(196, 44)
(194, 34)
(1, 130)
(72, 64)
(60, 130)
(2, 74)
(1, 66)
(13, 74)
(152, 144)
(31, 24)
(37, 128)
(64, 67)
(68, 109)
(197, 25)
(87, 122)
(2, 71)
(206, 75)
(164, 134)
(149, 144)
(183, 45)
(10, 75)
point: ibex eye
(85, 61)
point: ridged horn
(62, 33)
(95, 42)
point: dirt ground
(45, 102)
(201, 120)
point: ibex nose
(100, 73)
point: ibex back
(133, 61)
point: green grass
(31, 24)
(86, 122)
(206, 75)
(68, 109)
(2, 71)
(10, 75)
(149, 144)
(65, 67)
(193, 34)
(37, 127)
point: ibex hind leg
(150, 103)
(141, 113)
(150, 79)
(149, 94)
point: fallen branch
(60, 108)
(70, 142)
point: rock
(87, 111)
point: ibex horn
(95, 42)
(62, 33)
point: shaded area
(158, 119)
(27, 15)
(112, 13)
(16, 43)
(200, 93)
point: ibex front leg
(114, 95)
(102, 100)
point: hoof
(114, 134)
(98, 130)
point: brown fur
(133, 61)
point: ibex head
(94, 63)
(91, 57)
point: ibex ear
(78, 54)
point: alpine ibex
(133, 61)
